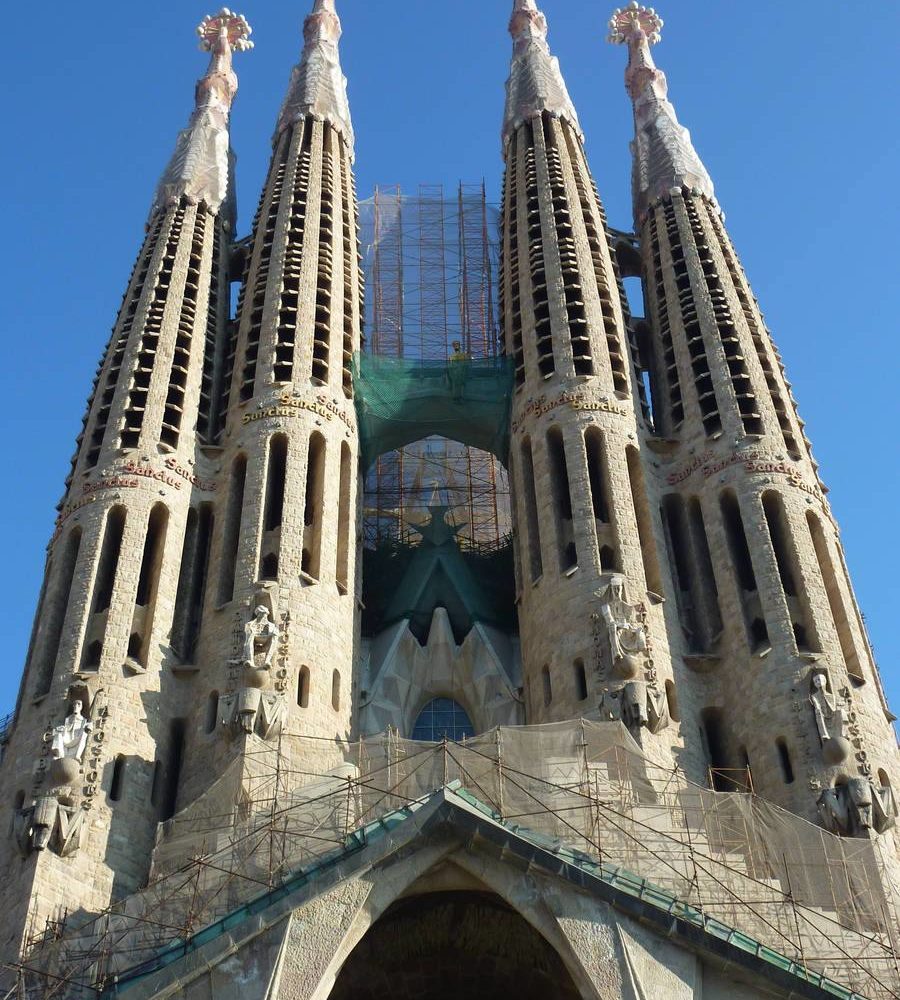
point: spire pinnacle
(318, 88)
(535, 81)
(663, 155)
(199, 168)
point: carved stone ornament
(857, 806)
(49, 823)
(250, 710)
(830, 718)
(626, 633)
(638, 705)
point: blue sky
(792, 107)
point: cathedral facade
(257, 753)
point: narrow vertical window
(581, 689)
(110, 550)
(313, 504)
(597, 473)
(531, 514)
(118, 779)
(212, 712)
(342, 574)
(643, 516)
(757, 632)
(336, 690)
(548, 684)
(672, 702)
(174, 759)
(713, 732)
(53, 611)
(109, 559)
(788, 570)
(303, 687)
(784, 758)
(192, 581)
(232, 534)
(148, 582)
(273, 507)
(708, 594)
(562, 499)
(835, 598)
(676, 537)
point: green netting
(401, 400)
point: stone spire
(318, 88)
(200, 166)
(663, 155)
(535, 81)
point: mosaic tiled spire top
(318, 87)
(199, 168)
(664, 157)
(535, 82)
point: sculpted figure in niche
(626, 632)
(70, 738)
(830, 718)
(260, 639)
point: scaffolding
(431, 270)
(728, 864)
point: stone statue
(70, 738)
(250, 710)
(856, 806)
(644, 705)
(260, 637)
(626, 632)
(830, 719)
(49, 823)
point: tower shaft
(91, 783)
(780, 675)
(589, 573)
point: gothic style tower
(590, 583)
(780, 673)
(284, 535)
(99, 676)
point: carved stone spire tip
(664, 159)
(630, 23)
(535, 83)
(228, 26)
(199, 168)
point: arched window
(548, 684)
(336, 690)
(118, 777)
(581, 688)
(442, 717)
(212, 712)
(303, 688)
(784, 758)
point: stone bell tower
(85, 763)
(589, 565)
(779, 674)
(274, 644)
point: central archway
(447, 945)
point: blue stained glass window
(442, 717)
